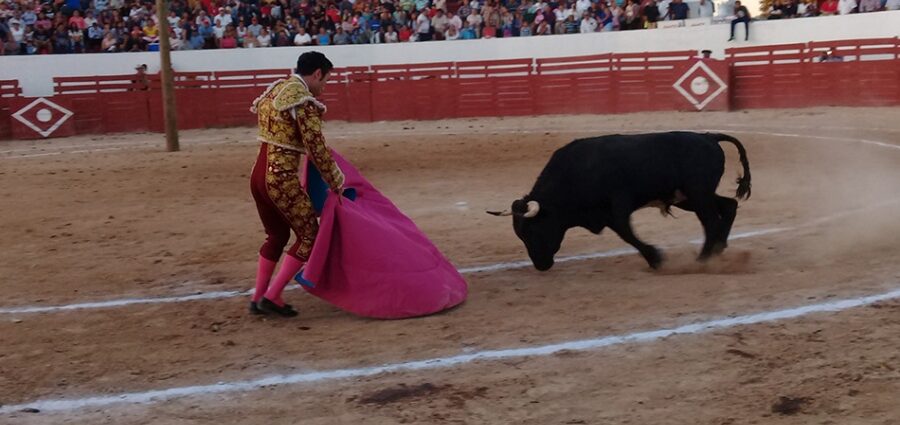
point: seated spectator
(866, 6)
(176, 40)
(242, 32)
(571, 25)
(589, 24)
(151, 32)
(405, 33)
(542, 28)
(77, 20)
(95, 37)
(892, 5)
(440, 24)
(264, 39)
(340, 37)
(323, 38)
(680, 10)
(451, 33)
(255, 28)
(76, 39)
(229, 38)
(650, 14)
(61, 41)
(829, 7)
(845, 7)
(807, 8)
(391, 36)
(741, 15)
(17, 36)
(302, 38)
(631, 17)
(109, 44)
(475, 22)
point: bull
(599, 182)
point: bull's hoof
(654, 259)
(719, 248)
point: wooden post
(168, 90)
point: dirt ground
(104, 218)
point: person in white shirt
(302, 38)
(423, 27)
(173, 19)
(846, 6)
(219, 30)
(588, 23)
(391, 36)
(475, 20)
(892, 5)
(451, 33)
(582, 6)
(663, 7)
(264, 39)
(222, 17)
(454, 21)
(706, 8)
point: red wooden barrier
(494, 88)
(794, 76)
(108, 104)
(9, 89)
(417, 92)
(577, 85)
(752, 77)
(644, 81)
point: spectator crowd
(77, 26)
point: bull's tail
(743, 182)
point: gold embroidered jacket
(291, 118)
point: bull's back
(645, 164)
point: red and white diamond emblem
(700, 85)
(43, 116)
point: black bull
(599, 182)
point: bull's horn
(503, 213)
(533, 208)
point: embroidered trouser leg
(282, 204)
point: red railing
(788, 75)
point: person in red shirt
(229, 40)
(829, 7)
(77, 20)
(333, 13)
(405, 33)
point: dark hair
(309, 62)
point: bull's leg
(621, 224)
(706, 209)
(728, 211)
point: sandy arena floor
(115, 218)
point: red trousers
(282, 203)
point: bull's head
(540, 229)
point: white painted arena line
(156, 396)
(467, 270)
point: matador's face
(317, 82)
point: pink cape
(371, 260)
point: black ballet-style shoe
(267, 306)
(254, 309)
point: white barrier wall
(35, 73)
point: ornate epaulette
(268, 89)
(293, 94)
